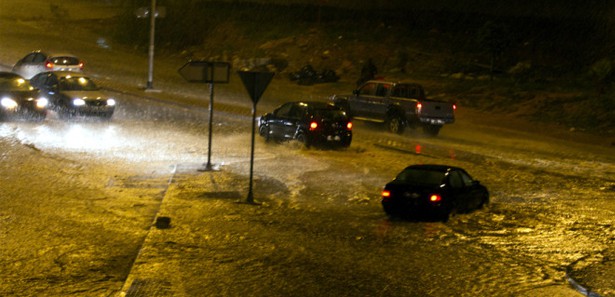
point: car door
(359, 102)
(278, 121)
(30, 65)
(47, 82)
(466, 191)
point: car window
(29, 58)
(283, 111)
(38, 58)
(467, 180)
(39, 80)
(330, 113)
(369, 89)
(454, 179)
(76, 84)
(421, 176)
(382, 90)
(297, 112)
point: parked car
(434, 191)
(398, 105)
(312, 123)
(74, 94)
(19, 99)
(38, 61)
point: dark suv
(312, 123)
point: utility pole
(152, 25)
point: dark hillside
(547, 68)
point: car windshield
(330, 113)
(77, 84)
(15, 84)
(421, 176)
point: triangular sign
(255, 83)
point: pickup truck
(398, 105)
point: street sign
(143, 12)
(206, 72)
(255, 83)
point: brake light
(313, 125)
(419, 106)
(81, 65)
(386, 193)
(49, 65)
(435, 198)
(349, 126)
(454, 106)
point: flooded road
(551, 205)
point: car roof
(55, 54)
(315, 104)
(434, 167)
(403, 82)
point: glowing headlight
(111, 102)
(42, 102)
(8, 103)
(78, 102)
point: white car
(38, 61)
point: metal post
(211, 123)
(152, 24)
(250, 198)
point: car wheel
(484, 202)
(263, 130)
(107, 116)
(38, 117)
(301, 137)
(431, 130)
(395, 124)
(65, 113)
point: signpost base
(209, 167)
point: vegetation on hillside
(544, 68)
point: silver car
(74, 94)
(38, 61)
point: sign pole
(250, 198)
(152, 22)
(255, 83)
(211, 123)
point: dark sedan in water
(433, 191)
(312, 123)
(18, 99)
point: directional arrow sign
(205, 72)
(255, 83)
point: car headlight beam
(78, 102)
(111, 102)
(8, 103)
(42, 102)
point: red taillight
(313, 125)
(419, 106)
(49, 65)
(454, 106)
(81, 65)
(435, 198)
(349, 126)
(386, 193)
